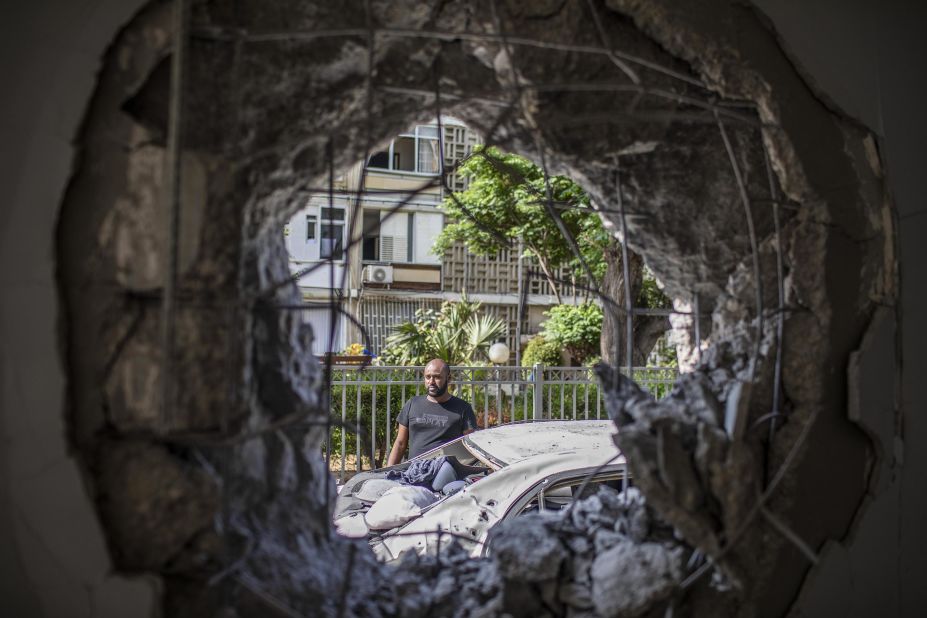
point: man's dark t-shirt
(432, 424)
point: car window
(559, 496)
(557, 493)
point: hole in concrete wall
(499, 252)
(196, 404)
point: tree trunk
(646, 329)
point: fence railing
(365, 403)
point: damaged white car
(491, 475)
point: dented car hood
(507, 444)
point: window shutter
(394, 248)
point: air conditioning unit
(378, 274)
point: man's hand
(399, 446)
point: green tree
(507, 200)
(459, 334)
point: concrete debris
(605, 556)
(632, 565)
(528, 552)
(451, 584)
(654, 570)
(660, 439)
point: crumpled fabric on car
(372, 490)
(419, 472)
(453, 487)
(352, 526)
(397, 506)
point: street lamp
(498, 353)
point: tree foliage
(574, 328)
(651, 294)
(458, 333)
(507, 200)
(540, 350)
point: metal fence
(365, 403)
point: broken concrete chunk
(575, 595)
(526, 550)
(606, 539)
(630, 578)
(636, 524)
(676, 472)
(579, 545)
(700, 399)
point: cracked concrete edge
(867, 406)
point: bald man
(431, 420)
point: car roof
(513, 442)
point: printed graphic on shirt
(432, 420)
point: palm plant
(458, 333)
(409, 342)
(481, 331)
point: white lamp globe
(498, 353)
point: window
(404, 154)
(332, 236)
(551, 495)
(428, 150)
(419, 152)
(379, 160)
(371, 244)
(395, 230)
(310, 227)
(333, 214)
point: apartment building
(391, 271)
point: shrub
(540, 350)
(575, 328)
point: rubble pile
(606, 556)
(683, 453)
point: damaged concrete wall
(860, 59)
(53, 558)
(836, 249)
(272, 466)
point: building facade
(370, 242)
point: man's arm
(399, 446)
